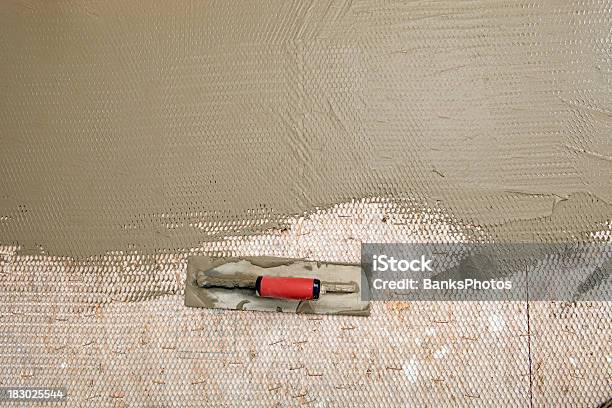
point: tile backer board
(134, 135)
(115, 330)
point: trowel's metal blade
(201, 269)
(206, 281)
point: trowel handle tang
(288, 288)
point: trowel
(276, 284)
(277, 287)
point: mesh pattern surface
(146, 129)
(114, 331)
(133, 135)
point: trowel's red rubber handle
(288, 288)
